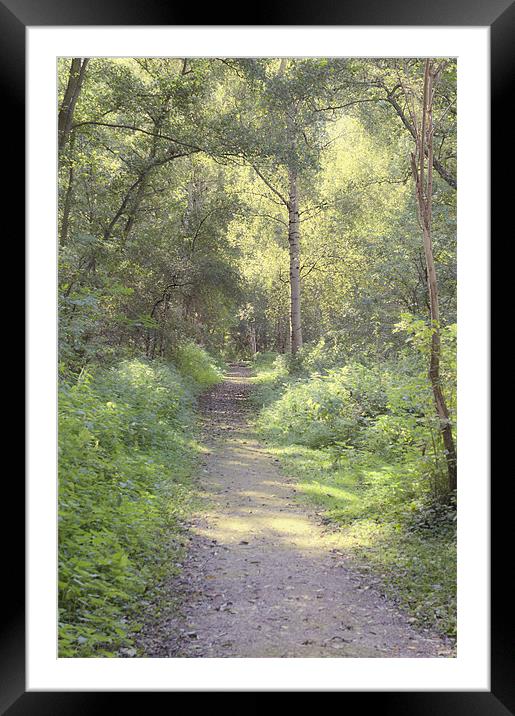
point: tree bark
(424, 195)
(125, 201)
(71, 95)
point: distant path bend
(262, 577)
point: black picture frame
(15, 16)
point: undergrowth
(197, 366)
(364, 447)
(127, 449)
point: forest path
(262, 578)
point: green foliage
(320, 356)
(197, 365)
(364, 444)
(271, 377)
(171, 240)
(328, 409)
(168, 234)
(386, 409)
(125, 456)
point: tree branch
(442, 171)
(270, 186)
(138, 129)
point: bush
(319, 357)
(195, 363)
(125, 455)
(271, 378)
(265, 360)
(327, 409)
(386, 409)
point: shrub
(319, 357)
(385, 409)
(125, 453)
(271, 377)
(326, 409)
(195, 363)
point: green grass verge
(406, 543)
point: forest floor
(262, 575)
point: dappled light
(261, 565)
(257, 356)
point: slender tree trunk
(287, 335)
(164, 312)
(294, 245)
(434, 363)
(279, 336)
(133, 212)
(293, 232)
(67, 205)
(291, 202)
(424, 194)
(71, 95)
(125, 201)
(253, 340)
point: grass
(403, 541)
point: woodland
(293, 216)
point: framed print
(257, 275)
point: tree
(283, 141)
(422, 168)
(197, 190)
(384, 81)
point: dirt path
(262, 577)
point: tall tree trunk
(291, 202)
(67, 204)
(123, 206)
(164, 312)
(133, 212)
(71, 95)
(424, 195)
(294, 246)
(253, 339)
(293, 230)
(282, 333)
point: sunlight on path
(262, 577)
